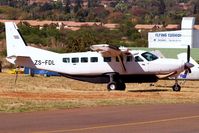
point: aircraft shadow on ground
(150, 90)
(184, 86)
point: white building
(176, 39)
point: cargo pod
(45, 73)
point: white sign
(170, 39)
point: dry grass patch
(41, 93)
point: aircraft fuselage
(93, 64)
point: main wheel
(112, 86)
(176, 87)
(122, 85)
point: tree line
(141, 11)
(126, 13)
(75, 41)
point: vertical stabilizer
(14, 41)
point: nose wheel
(176, 86)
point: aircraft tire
(176, 87)
(112, 86)
(122, 86)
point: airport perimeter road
(180, 118)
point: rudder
(14, 41)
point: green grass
(24, 105)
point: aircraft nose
(187, 67)
(177, 65)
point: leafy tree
(81, 15)
(78, 5)
(93, 3)
(116, 17)
(3, 2)
(2, 27)
(17, 3)
(67, 6)
(162, 7)
(97, 14)
(113, 4)
(195, 6)
(46, 7)
(128, 30)
(121, 6)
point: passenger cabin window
(149, 56)
(138, 59)
(75, 60)
(84, 60)
(129, 58)
(94, 59)
(117, 59)
(66, 60)
(107, 59)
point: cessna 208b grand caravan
(104, 64)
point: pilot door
(141, 65)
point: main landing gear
(176, 86)
(115, 83)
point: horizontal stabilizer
(21, 60)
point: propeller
(188, 53)
(188, 65)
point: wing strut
(113, 51)
(122, 63)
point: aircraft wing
(113, 51)
(110, 50)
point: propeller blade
(189, 70)
(186, 72)
(188, 53)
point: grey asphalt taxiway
(171, 118)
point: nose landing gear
(176, 86)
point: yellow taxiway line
(120, 125)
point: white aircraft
(104, 64)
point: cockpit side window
(138, 59)
(149, 56)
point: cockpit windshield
(149, 56)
